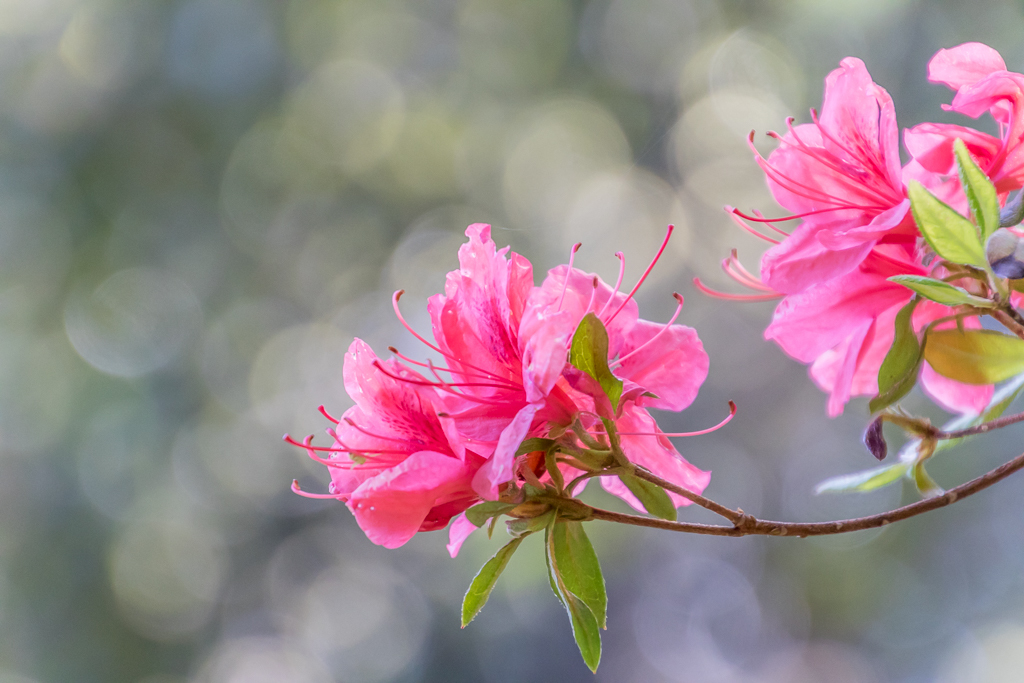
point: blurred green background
(202, 202)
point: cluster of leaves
(972, 356)
(574, 571)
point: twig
(998, 423)
(734, 516)
(748, 525)
(1008, 322)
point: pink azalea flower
(841, 174)
(392, 461)
(844, 327)
(666, 360)
(978, 75)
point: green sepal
(941, 292)
(974, 356)
(483, 583)
(949, 234)
(589, 353)
(982, 197)
(533, 445)
(651, 496)
(551, 465)
(481, 512)
(898, 372)
(527, 525)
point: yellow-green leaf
(651, 496)
(974, 356)
(589, 353)
(981, 193)
(940, 292)
(483, 583)
(952, 236)
(898, 372)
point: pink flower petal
(672, 366)
(458, 532)
(964, 65)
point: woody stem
(748, 525)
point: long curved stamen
(320, 496)
(410, 361)
(733, 297)
(732, 412)
(351, 423)
(618, 283)
(447, 356)
(593, 294)
(323, 411)
(568, 272)
(661, 250)
(443, 386)
(734, 269)
(344, 449)
(771, 224)
(679, 308)
(733, 214)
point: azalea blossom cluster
(529, 391)
(841, 176)
(425, 441)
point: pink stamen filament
(770, 223)
(568, 272)
(618, 283)
(344, 449)
(739, 221)
(351, 423)
(679, 308)
(734, 269)
(319, 496)
(323, 411)
(661, 250)
(444, 386)
(733, 297)
(732, 412)
(593, 294)
(447, 356)
(432, 367)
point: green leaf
(481, 512)
(578, 566)
(651, 496)
(981, 193)
(483, 582)
(586, 626)
(589, 353)
(861, 482)
(525, 526)
(551, 465)
(1002, 399)
(952, 236)
(533, 445)
(974, 356)
(898, 372)
(926, 486)
(940, 292)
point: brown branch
(734, 516)
(751, 526)
(980, 429)
(1008, 322)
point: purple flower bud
(874, 440)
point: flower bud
(1005, 253)
(874, 440)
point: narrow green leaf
(981, 193)
(533, 445)
(926, 486)
(525, 526)
(952, 236)
(974, 356)
(579, 567)
(481, 512)
(586, 627)
(651, 496)
(898, 372)
(482, 585)
(868, 480)
(940, 292)
(589, 353)
(1002, 399)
